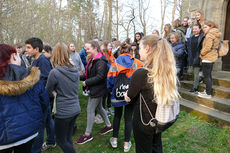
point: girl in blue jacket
(178, 49)
(22, 97)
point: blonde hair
(176, 23)
(60, 55)
(176, 35)
(167, 34)
(161, 66)
(201, 21)
(211, 24)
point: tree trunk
(106, 20)
(117, 33)
(1, 35)
(163, 9)
(101, 27)
(109, 36)
(174, 10)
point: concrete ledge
(206, 114)
(213, 103)
(219, 92)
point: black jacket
(96, 74)
(196, 52)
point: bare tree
(163, 9)
(142, 13)
(117, 24)
(174, 10)
(109, 28)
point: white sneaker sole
(86, 141)
(113, 145)
(106, 132)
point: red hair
(5, 54)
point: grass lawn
(187, 135)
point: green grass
(187, 135)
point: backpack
(223, 48)
(165, 116)
(121, 85)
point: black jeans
(128, 121)
(207, 72)
(64, 131)
(23, 148)
(108, 95)
(146, 139)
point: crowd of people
(39, 85)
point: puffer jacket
(95, 76)
(22, 96)
(178, 50)
(127, 64)
(210, 45)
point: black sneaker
(193, 90)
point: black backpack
(121, 85)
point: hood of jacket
(125, 60)
(214, 33)
(182, 29)
(68, 72)
(99, 56)
(18, 87)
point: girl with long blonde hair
(200, 18)
(167, 31)
(63, 82)
(157, 83)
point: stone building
(217, 11)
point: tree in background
(76, 20)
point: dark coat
(83, 54)
(195, 53)
(95, 76)
(22, 97)
(178, 50)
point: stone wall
(214, 10)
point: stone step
(213, 103)
(222, 81)
(219, 92)
(210, 115)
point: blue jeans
(49, 125)
(50, 128)
(38, 141)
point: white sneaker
(200, 93)
(204, 95)
(127, 148)
(111, 111)
(46, 146)
(85, 93)
(113, 142)
(98, 119)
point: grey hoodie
(65, 81)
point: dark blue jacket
(22, 96)
(44, 66)
(178, 50)
(83, 55)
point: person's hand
(127, 99)
(83, 84)
(54, 93)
